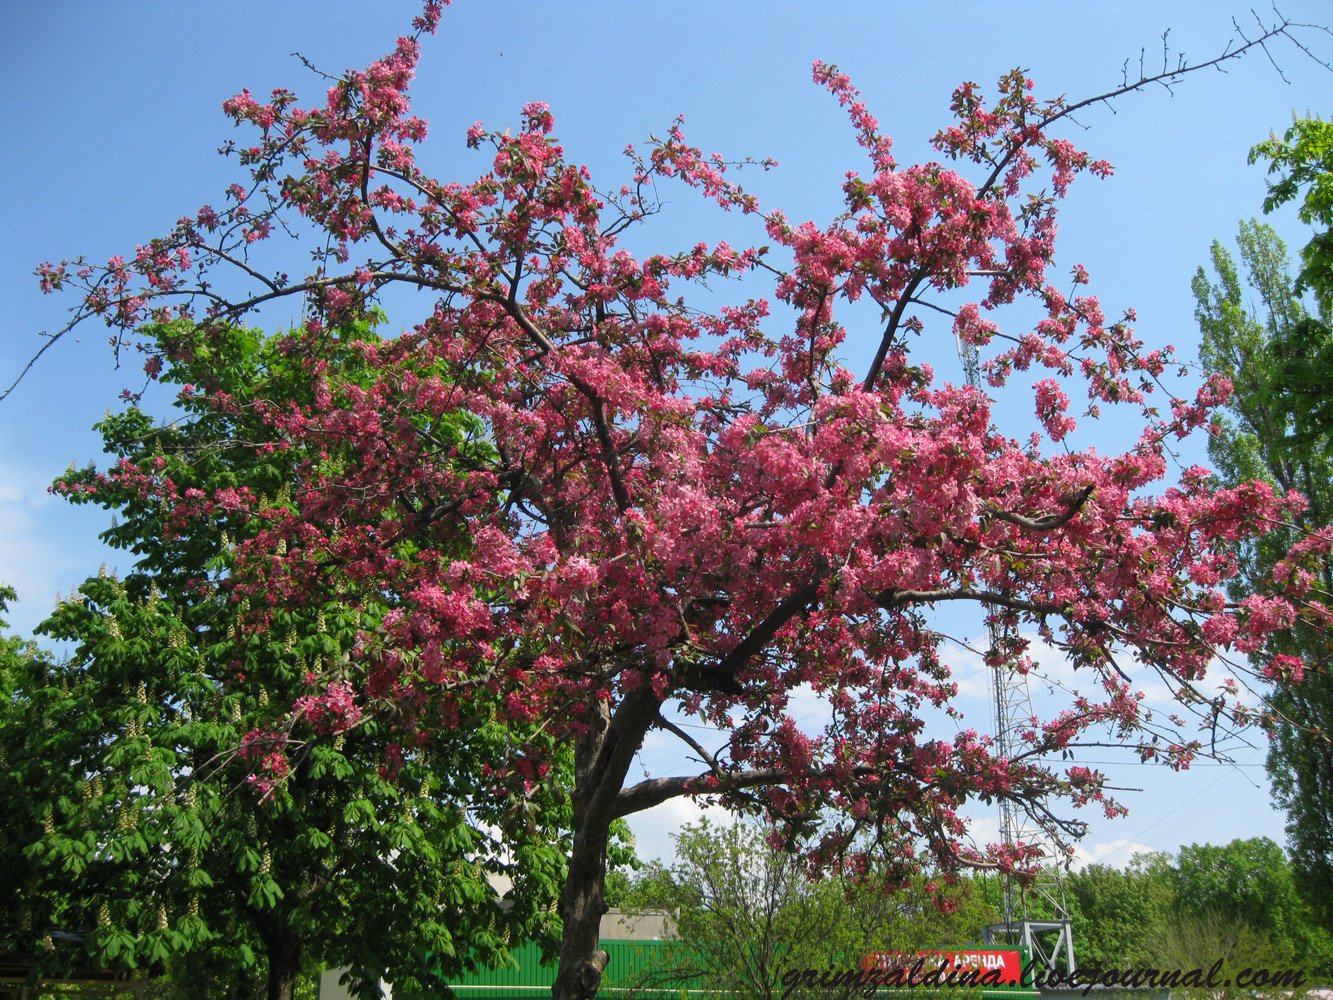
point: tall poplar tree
(1259, 332)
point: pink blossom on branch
(657, 507)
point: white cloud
(1116, 853)
(46, 545)
(654, 828)
(984, 829)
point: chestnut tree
(149, 811)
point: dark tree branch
(1047, 522)
(759, 636)
(891, 330)
(891, 599)
(655, 791)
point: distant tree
(747, 910)
(1237, 902)
(648, 886)
(743, 911)
(1249, 884)
(1116, 912)
(931, 912)
(1200, 940)
(1271, 350)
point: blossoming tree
(694, 513)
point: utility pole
(1049, 941)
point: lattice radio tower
(1047, 936)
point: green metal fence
(642, 969)
(632, 965)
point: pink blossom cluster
(332, 711)
(655, 505)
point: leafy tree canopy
(1301, 163)
(1272, 350)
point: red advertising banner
(999, 968)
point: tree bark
(601, 761)
(582, 904)
(284, 962)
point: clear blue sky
(112, 115)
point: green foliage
(745, 912)
(1301, 163)
(1117, 913)
(1267, 352)
(1248, 882)
(22, 900)
(1301, 168)
(360, 845)
(1238, 903)
(1199, 941)
(1277, 426)
(648, 887)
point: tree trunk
(601, 761)
(284, 962)
(582, 904)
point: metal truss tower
(1038, 918)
